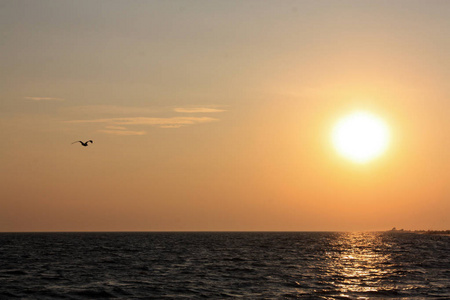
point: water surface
(305, 265)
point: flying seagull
(83, 144)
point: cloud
(123, 132)
(44, 99)
(197, 110)
(170, 126)
(172, 122)
(121, 125)
(111, 110)
(116, 127)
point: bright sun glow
(360, 137)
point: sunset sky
(218, 115)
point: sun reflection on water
(357, 264)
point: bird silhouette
(83, 144)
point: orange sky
(217, 115)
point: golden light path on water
(359, 264)
(353, 266)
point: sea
(220, 265)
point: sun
(360, 136)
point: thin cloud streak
(170, 126)
(173, 122)
(123, 132)
(116, 127)
(111, 109)
(44, 99)
(197, 110)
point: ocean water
(304, 265)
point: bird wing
(90, 141)
(77, 142)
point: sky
(217, 115)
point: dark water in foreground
(222, 265)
